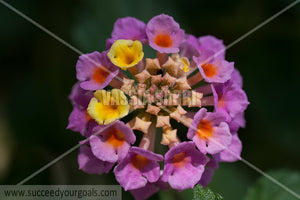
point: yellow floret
(106, 107)
(126, 53)
(186, 64)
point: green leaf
(205, 194)
(266, 189)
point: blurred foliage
(38, 73)
(231, 180)
(201, 193)
(266, 189)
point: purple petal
(200, 143)
(214, 44)
(233, 151)
(122, 150)
(231, 100)
(95, 71)
(193, 41)
(132, 175)
(189, 48)
(220, 139)
(221, 73)
(148, 154)
(237, 121)
(110, 147)
(129, 28)
(78, 121)
(86, 65)
(80, 97)
(109, 43)
(197, 118)
(236, 78)
(129, 177)
(219, 99)
(102, 150)
(90, 164)
(127, 132)
(188, 173)
(145, 192)
(208, 173)
(205, 57)
(164, 34)
(151, 172)
(236, 101)
(215, 118)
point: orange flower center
(129, 59)
(180, 159)
(115, 138)
(221, 102)
(209, 70)
(139, 162)
(100, 75)
(204, 129)
(87, 116)
(163, 40)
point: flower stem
(148, 140)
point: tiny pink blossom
(138, 168)
(209, 132)
(184, 166)
(164, 34)
(213, 70)
(111, 142)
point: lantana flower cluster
(124, 102)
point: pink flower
(129, 28)
(205, 43)
(213, 70)
(95, 71)
(90, 164)
(138, 168)
(79, 120)
(164, 34)
(149, 189)
(233, 152)
(209, 132)
(113, 141)
(184, 166)
(230, 98)
(209, 42)
(209, 171)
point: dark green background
(37, 73)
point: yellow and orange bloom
(126, 53)
(105, 107)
